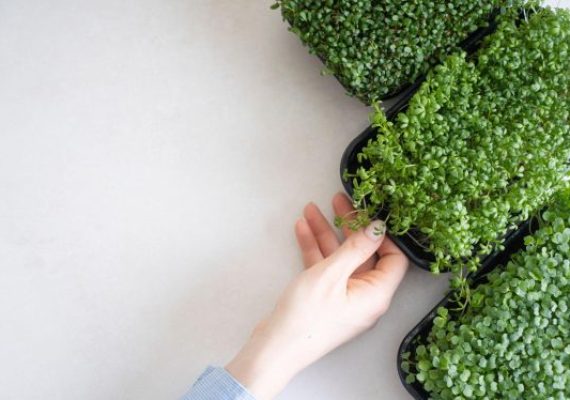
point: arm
(342, 292)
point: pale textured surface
(154, 155)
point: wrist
(263, 368)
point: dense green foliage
(375, 47)
(514, 343)
(483, 144)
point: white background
(154, 155)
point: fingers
(307, 243)
(389, 247)
(356, 250)
(322, 230)
(392, 265)
(342, 207)
(374, 289)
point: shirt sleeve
(217, 384)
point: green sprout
(514, 343)
(376, 47)
(482, 146)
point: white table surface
(154, 155)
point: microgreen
(482, 146)
(375, 47)
(514, 345)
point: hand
(342, 292)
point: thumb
(355, 250)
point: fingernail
(376, 230)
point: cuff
(217, 384)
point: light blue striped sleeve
(217, 384)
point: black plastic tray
(349, 162)
(417, 254)
(469, 44)
(420, 332)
